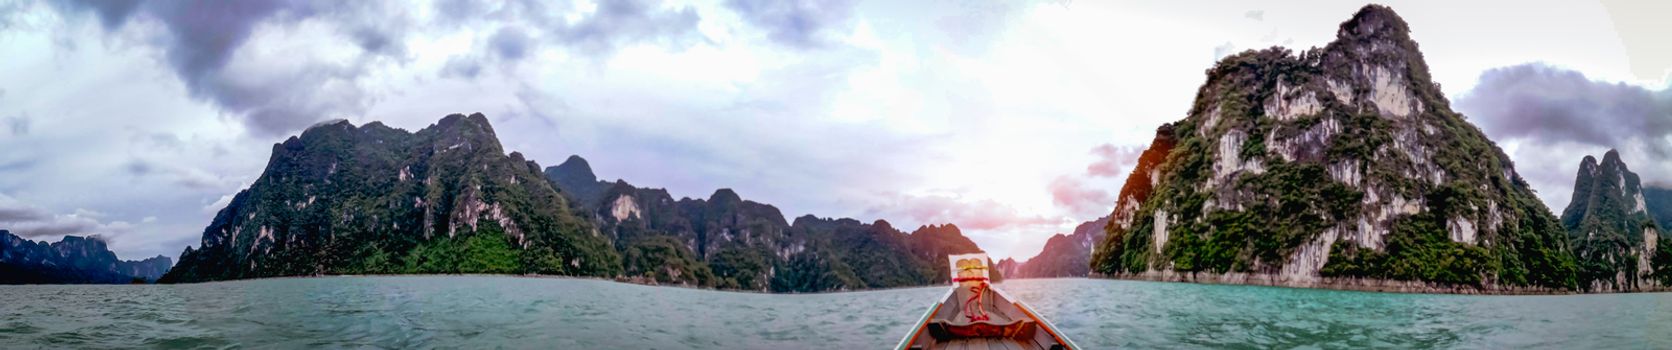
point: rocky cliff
(933, 243)
(728, 242)
(1659, 202)
(1008, 267)
(1342, 166)
(71, 260)
(150, 269)
(341, 199)
(1614, 239)
(1065, 255)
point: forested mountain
(1008, 267)
(71, 260)
(1342, 166)
(341, 199)
(728, 242)
(1065, 255)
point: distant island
(342, 199)
(71, 260)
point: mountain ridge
(1064, 255)
(73, 259)
(729, 242)
(342, 199)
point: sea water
(518, 312)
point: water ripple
(508, 312)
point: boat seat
(957, 323)
(1014, 329)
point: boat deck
(991, 344)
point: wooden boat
(974, 315)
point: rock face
(71, 260)
(341, 199)
(1065, 255)
(728, 242)
(151, 269)
(1659, 201)
(576, 178)
(1340, 166)
(1614, 239)
(1008, 267)
(934, 243)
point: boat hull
(1010, 324)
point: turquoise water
(512, 312)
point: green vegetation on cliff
(731, 243)
(1063, 255)
(1341, 161)
(1614, 238)
(341, 199)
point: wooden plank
(999, 344)
(1002, 344)
(921, 323)
(1038, 344)
(1043, 324)
(957, 344)
(990, 344)
(1022, 344)
(917, 333)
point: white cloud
(976, 105)
(33, 222)
(1548, 118)
(214, 207)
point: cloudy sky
(137, 120)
